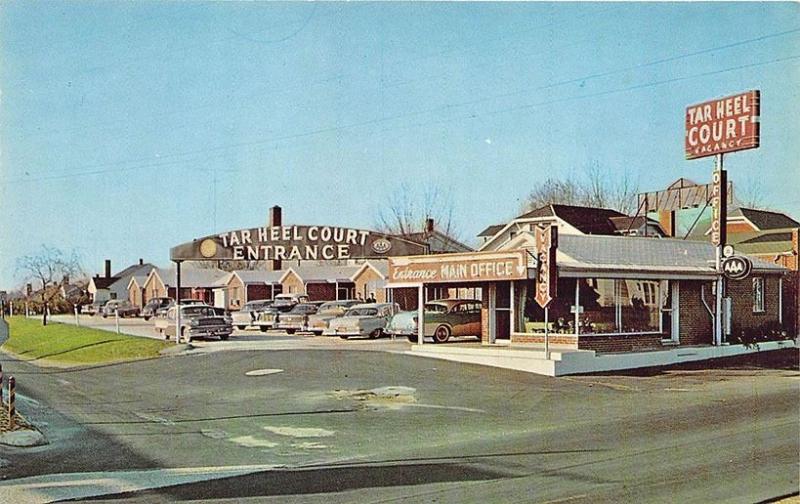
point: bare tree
(596, 188)
(750, 194)
(46, 270)
(409, 208)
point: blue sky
(128, 128)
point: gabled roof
(623, 224)
(587, 220)
(322, 272)
(139, 279)
(103, 282)
(190, 277)
(438, 241)
(667, 256)
(124, 276)
(491, 230)
(380, 267)
(766, 220)
(766, 238)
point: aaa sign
(725, 125)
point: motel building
(617, 302)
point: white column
(421, 315)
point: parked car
(92, 308)
(328, 311)
(245, 317)
(121, 307)
(153, 305)
(162, 312)
(443, 318)
(282, 303)
(296, 319)
(196, 321)
(364, 320)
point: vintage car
(296, 319)
(282, 303)
(363, 320)
(327, 312)
(197, 321)
(246, 316)
(92, 308)
(153, 305)
(121, 307)
(443, 318)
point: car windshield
(361, 312)
(283, 301)
(198, 311)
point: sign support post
(421, 314)
(720, 176)
(177, 302)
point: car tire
(262, 329)
(241, 327)
(344, 337)
(441, 334)
(376, 333)
(317, 333)
(412, 338)
(223, 337)
(146, 318)
(290, 331)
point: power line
(389, 118)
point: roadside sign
(724, 125)
(736, 267)
(459, 267)
(719, 214)
(546, 280)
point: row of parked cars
(354, 318)
(294, 313)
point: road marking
(299, 432)
(263, 372)
(253, 442)
(57, 487)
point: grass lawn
(68, 344)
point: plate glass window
(758, 294)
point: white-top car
(244, 318)
(364, 320)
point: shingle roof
(491, 230)
(587, 220)
(622, 224)
(617, 253)
(192, 277)
(103, 282)
(765, 219)
(772, 237)
(325, 272)
(259, 276)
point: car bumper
(291, 326)
(210, 331)
(401, 331)
(343, 331)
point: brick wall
(742, 294)
(553, 339)
(318, 291)
(485, 316)
(627, 343)
(370, 282)
(696, 327)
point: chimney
(108, 268)
(141, 262)
(429, 225)
(274, 219)
(65, 280)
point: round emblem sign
(208, 248)
(381, 246)
(736, 267)
(728, 251)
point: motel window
(758, 294)
(599, 313)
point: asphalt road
(319, 425)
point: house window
(758, 294)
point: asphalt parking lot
(339, 425)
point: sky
(127, 128)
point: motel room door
(500, 312)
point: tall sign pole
(714, 128)
(546, 275)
